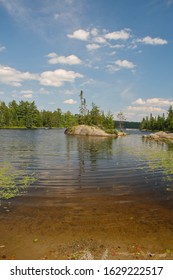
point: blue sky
(119, 52)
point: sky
(119, 52)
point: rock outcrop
(161, 135)
(86, 130)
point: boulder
(161, 135)
(86, 130)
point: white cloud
(26, 92)
(154, 102)
(79, 34)
(13, 77)
(2, 48)
(125, 64)
(94, 31)
(43, 91)
(100, 40)
(117, 46)
(146, 109)
(139, 101)
(156, 106)
(112, 68)
(70, 101)
(70, 60)
(27, 95)
(91, 47)
(152, 41)
(58, 77)
(159, 101)
(118, 35)
(1, 92)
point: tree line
(159, 123)
(25, 114)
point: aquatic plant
(157, 157)
(13, 182)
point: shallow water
(92, 195)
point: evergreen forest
(159, 123)
(25, 114)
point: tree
(121, 118)
(159, 123)
(108, 121)
(169, 120)
(4, 115)
(58, 118)
(69, 119)
(82, 109)
(94, 115)
(13, 113)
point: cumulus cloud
(26, 91)
(91, 47)
(100, 40)
(112, 68)
(70, 60)
(29, 95)
(99, 37)
(154, 102)
(152, 41)
(79, 34)
(139, 101)
(58, 77)
(13, 77)
(70, 101)
(94, 31)
(118, 35)
(125, 64)
(146, 109)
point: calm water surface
(66, 164)
(86, 175)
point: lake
(92, 198)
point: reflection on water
(90, 192)
(64, 164)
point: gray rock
(86, 130)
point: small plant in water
(13, 182)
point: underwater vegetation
(13, 182)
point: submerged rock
(86, 130)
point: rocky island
(87, 130)
(161, 135)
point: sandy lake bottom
(89, 226)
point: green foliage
(159, 123)
(95, 116)
(26, 115)
(13, 182)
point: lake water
(93, 198)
